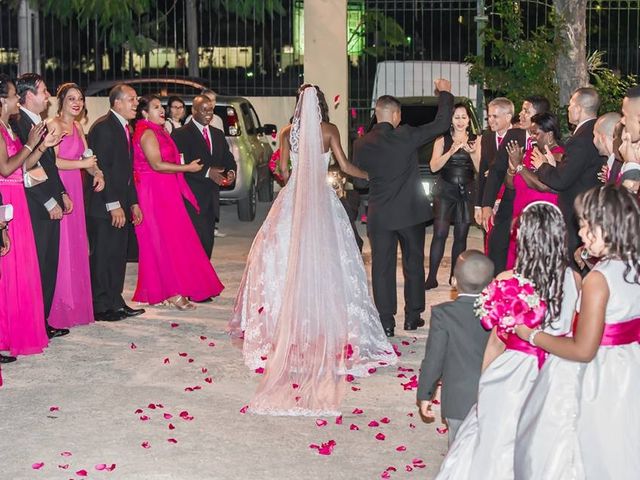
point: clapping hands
(516, 152)
(538, 158)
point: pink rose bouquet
(507, 303)
(274, 166)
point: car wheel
(247, 206)
(265, 191)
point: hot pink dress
(171, 260)
(524, 195)
(22, 329)
(72, 302)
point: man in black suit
(110, 210)
(498, 235)
(398, 205)
(48, 200)
(581, 163)
(198, 140)
(5, 245)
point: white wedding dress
(303, 307)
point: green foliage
(248, 10)
(382, 34)
(611, 86)
(518, 65)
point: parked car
(418, 111)
(249, 140)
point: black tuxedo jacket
(53, 187)
(191, 144)
(498, 169)
(390, 157)
(108, 141)
(576, 173)
(488, 151)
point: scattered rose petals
(66, 454)
(442, 430)
(144, 418)
(350, 378)
(260, 310)
(397, 350)
(152, 406)
(401, 448)
(171, 426)
(403, 369)
(357, 411)
(204, 370)
(355, 389)
(411, 384)
(404, 342)
(208, 380)
(353, 426)
(244, 409)
(145, 445)
(401, 375)
(133, 346)
(64, 466)
(298, 398)
(183, 354)
(391, 469)
(166, 361)
(385, 474)
(167, 416)
(409, 468)
(202, 337)
(324, 449)
(385, 420)
(380, 436)
(417, 461)
(295, 385)
(263, 358)
(82, 473)
(259, 370)
(37, 466)
(54, 409)
(190, 360)
(339, 420)
(175, 325)
(411, 425)
(172, 440)
(110, 468)
(410, 414)
(100, 467)
(320, 422)
(138, 411)
(372, 370)
(348, 351)
(373, 423)
(211, 344)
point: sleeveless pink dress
(524, 195)
(22, 327)
(171, 260)
(72, 302)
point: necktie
(205, 134)
(529, 143)
(128, 134)
(499, 139)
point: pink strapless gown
(72, 302)
(171, 260)
(524, 196)
(22, 329)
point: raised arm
(442, 121)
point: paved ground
(160, 397)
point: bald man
(603, 138)
(579, 168)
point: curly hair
(322, 101)
(143, 105)
(5, 80)
(543, 254)
(617, 212)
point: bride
(303, 307)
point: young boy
(456, 344)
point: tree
(572, 59)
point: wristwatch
(519, 168)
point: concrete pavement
(160, 397)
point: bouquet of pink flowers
(274, 166)
(507, 303)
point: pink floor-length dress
(72, 302)
(171, 260)
(524, 195)
(22, 328)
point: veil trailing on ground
(303, 307)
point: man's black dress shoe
(7, 358)
(109, 316)
(414, 325)
(56, 332)
(127, 311)
(388, 331)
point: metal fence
(391, 42)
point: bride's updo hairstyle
(143, 105)
(615, 210)
(324, 108)
(542, 253)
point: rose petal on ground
(385, 420)
(133, 346)
(409, 468)
(159, 405)
(397, 350)
(339, 420)
(212, 344)
(410, 414)
(37, 466)
(401, 375)
(64, 466)
(411, 425)
(208, 380)
(166, 361)
(175, 325)
(260, 310)
(144, 418)
(138, 411)
(111, 468)
(82, 473)
(385, 475)
(259, 370)
(172, 440)
(244, 409)
(401, 448)
(100, 467)
(54, 409)
(353, 426)
(171, 426)
(190, 360)
(167, 416)
(350, 378)
(183, 354)
(391, 469)
(380, 436)
(152, 406)
(442, 430)
(202, 337)
(204, 370)
(404, 342)
(372, 370)
(355, 389)
(145, 445)
(66, 454)
(295, 385)
(416, 461)
(373, 423)
(357, 411)
(320, 422)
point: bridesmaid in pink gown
(172, 263)
(22, 327)
(545, 131)
(72, 302)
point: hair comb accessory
(542, 202)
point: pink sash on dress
(622, 333)
(513, 342)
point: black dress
(453, 190)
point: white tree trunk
(28, 39)
(192, 38)
(571, 69)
